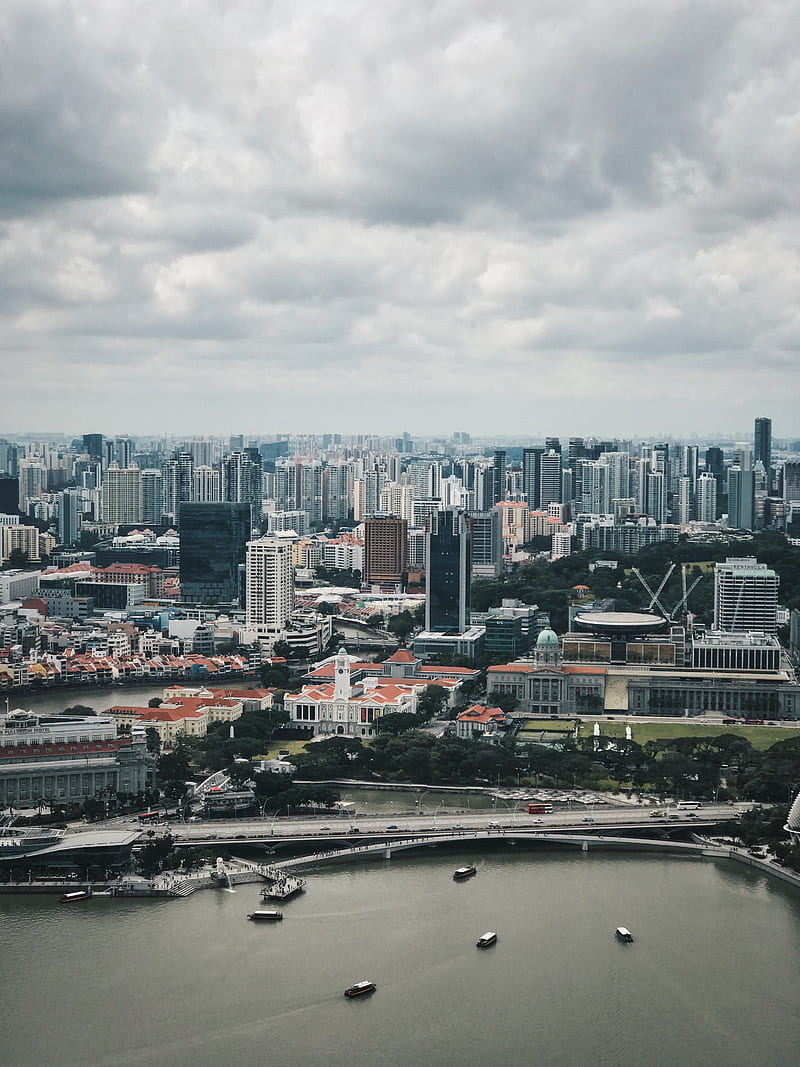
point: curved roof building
(622, 624)
(793, 822)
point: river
(711, 978)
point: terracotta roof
(402, 655)
(478, 713)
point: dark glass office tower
(213, 540)
(9, 496)
(93, 445)
(449, 562)
(762, 441)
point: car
(538, 822)
(324, 827)
(392, 826)
(457, 826)
(195, 818)
(656, 814)
(588, 818)
(354, 830)
(493, 825)
(692, 815)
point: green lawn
(760, 737)
(278, 746)
(551, 725)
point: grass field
(760, 737)
(279, 746)
(556, 725)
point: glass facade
(214, 540)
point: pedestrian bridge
(467, 838)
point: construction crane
(655, 596)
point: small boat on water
(359, 989)
(265, 916)
(487, 939)
(464, 872)
(624, 935)
(78, 894)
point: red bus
(149, 816)
(540, 809)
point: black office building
(93, 446)
(762, 441)
(213, 539)
(9, 496)
(449, 572)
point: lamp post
(273, 817)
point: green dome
(547, 639)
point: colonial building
(479, 722)
(346, 709)
(67, 758)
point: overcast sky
(428, 215)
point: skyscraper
(68, 517)
(270, 586)
(487, 542)
(762, 443)
(550, 479)
(745, 596)
(707, 497)
(385, 550)
(499, 480)
(213, 539)
(121, 495)
(741, 498)
(531, 474)
(449, 574)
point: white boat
(266, 916)
(624, 935)
(487, 939)
(360, 988)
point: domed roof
(547, 639)
(793, 822)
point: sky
(518, 217)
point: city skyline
(515, 221)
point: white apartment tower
(745, 596)
(707, 497)
(270, 586)
(121, 494)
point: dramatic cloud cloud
(527, 217)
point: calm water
(711, 979)
(54, 702)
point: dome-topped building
(548, 648)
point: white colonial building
(345, 709)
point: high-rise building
(68, 517)
(93, 446)
(152, 495)
(385, 550)
(707, 497)
(270, 586)
(657, 495)
(741, 498)
(745, 596)
(791, 482)
(487, 542)
(121, 495)
(762, 443)
(177, 483)
(449, 576)
(9, 495)
(499, 476)
(213, 540)
(531, 474)
(550, 478)
(207, 485)
(715, 463)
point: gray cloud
(511, 218)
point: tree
(79, 709)
(155, 702)
(430, 704)
(282, 649)
(153, 740)
(401, 625)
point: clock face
(341, 670)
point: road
(322, 827)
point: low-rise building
(479, 722)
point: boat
(624, 935)
(283, 889)
(78, 894)
(265, 916)
(487, 939)
(359, 989)
(464, 872)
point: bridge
(387, 848)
